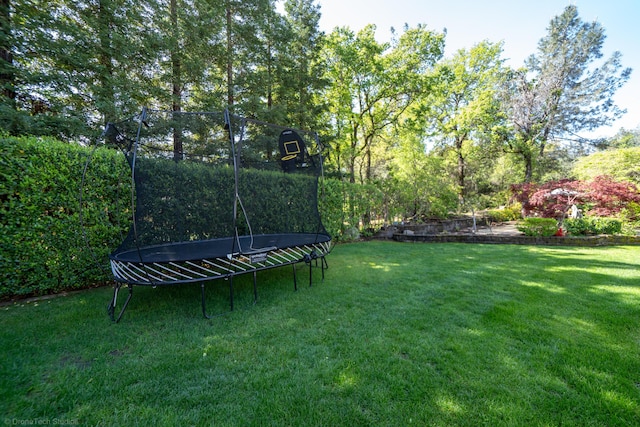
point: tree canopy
(560, 92)
(424, 128)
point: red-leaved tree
(601, 197)
(609, 197)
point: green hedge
(592, 225)
(188, 200)
(538, 226)
(42, 248)
(345, 207)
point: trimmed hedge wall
(43, 247)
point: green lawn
(397, 334)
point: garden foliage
(544, 227)
(592, 225)
(603, 196)
(42, 246)
(49, 244)
(345, 207)
(621, 164)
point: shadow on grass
(554, 323)
(449, 334)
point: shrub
(345, 206)
(608, 225)
(538, 226)
(592, 225)
(510, 213)
(42, 246)
(576, 226)
(621, 164)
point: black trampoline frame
(203, 261)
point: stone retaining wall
(434, 227)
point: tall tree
(175, 57)
(373, 85)
(77, 61)
(7, 77)
(462, 109)
(189, 54)
(247, 52)
(418, 181)
(298, 60)
(260, 35)
(560, 92)
(9, 118)
(625, 138)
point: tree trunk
(352, 170)
(528, 167)
(352, 153)
(176, 81)
(368, 174)
(461, 178)
(269, 78)
(7, 76)
(229, 57)
(106, 91)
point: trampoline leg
(112, 305)
(255, 288)
(231, 291)
(111, 308)
(309, 258)
(295, 278)
(204, 307)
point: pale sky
(520, 24)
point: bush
(538, 227)
(42, 246)
(592, 225)
(576, 226)
(510, 213)
(345, 206)
(601, 196)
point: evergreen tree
(561, 93)
(8, 112)
(78, 63)
(300, 70)
(248, 32)
(7, 78)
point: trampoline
(213, 196)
